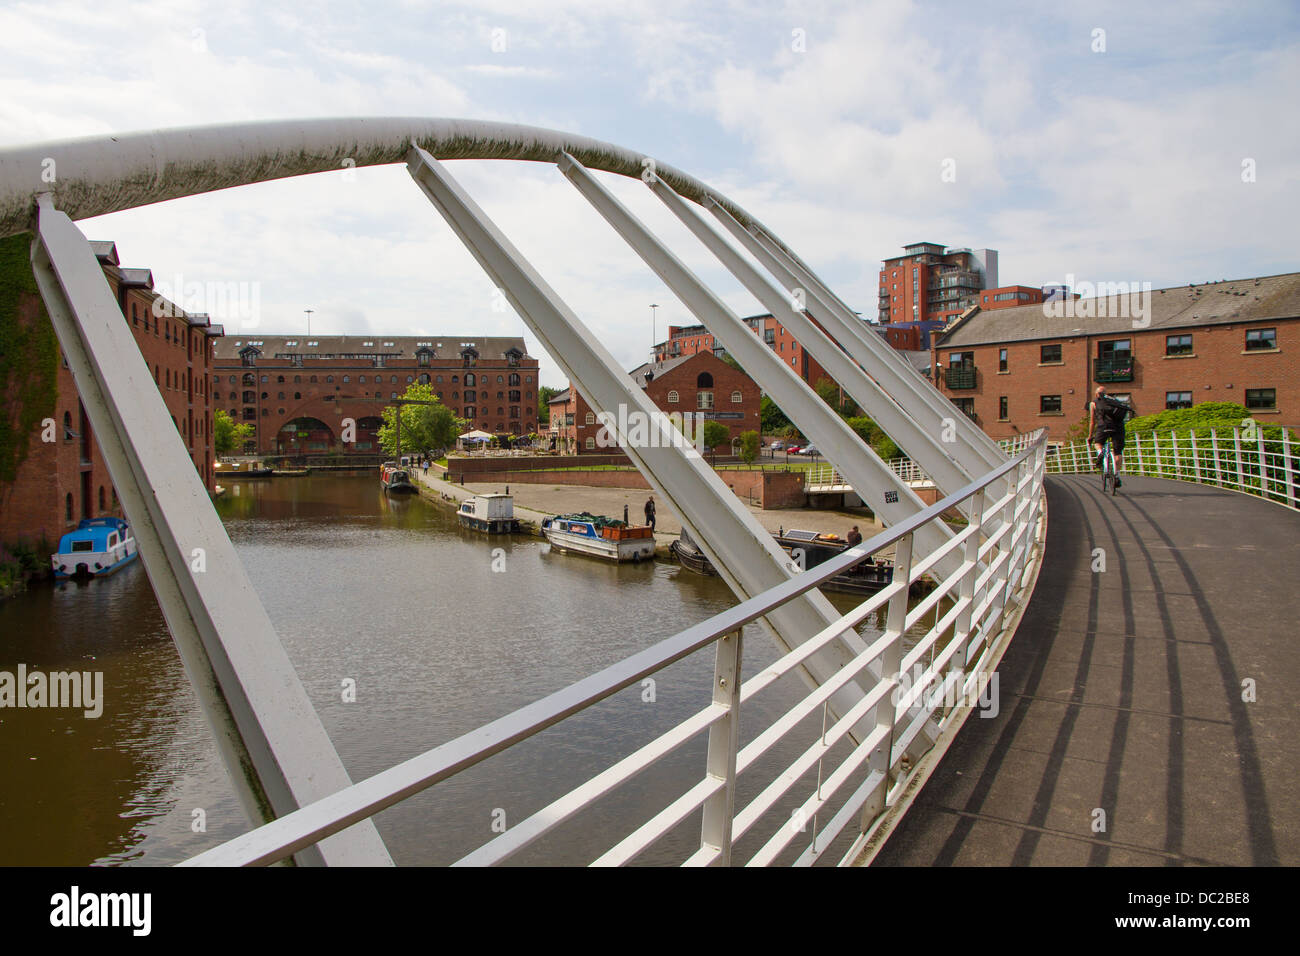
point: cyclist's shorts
(1116, 439)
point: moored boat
(600, 537)
(493, 514)
(98, 547)
(809, 549)
(396, 481)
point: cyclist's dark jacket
(1109, 420)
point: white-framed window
(704, 400)
(736, 397)
(591, 443)
(673, 397)
(591, 418)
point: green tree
(773, 419)
(715, 434)
(749, 444)
(229, 435)
(873, 435)
(544, 395)
(424, 427)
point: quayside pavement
(1126, 733)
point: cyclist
(1106, 417)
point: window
(469, 378)
(673, 398)
(1002, 360)
(591, 418)
(736, 397)
(1178, 400)
(500, 379)
(361, 379)
(392, 380)
(1048, 354)
(1178, 345)
(471, 395)
(1263, 399)
(704, 400)
(514, 380)
(514, 396)
(1002, 408)
(345, 379)
(1049, 405)
(591, 443)
(279, 379)
(329, 379)
(469, 411)
(313, 379)
(1260, 339)
(424, 378)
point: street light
(309, 312)
(654, 329)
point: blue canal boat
(97, 548)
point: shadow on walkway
(1145, 714)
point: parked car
(810, 450)
(778, 446)
(794, 450)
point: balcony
(959, 376)
(1115, 368)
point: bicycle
(1109, 473)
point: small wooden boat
(691, 557)
(600, 537)
(292, 472)
(396, 481)
(96, 549)
(492, 514)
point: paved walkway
(535, 502)
(1122, 692)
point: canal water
(438, 634)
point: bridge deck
(1122, 691)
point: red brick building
(698, 386)
(298, 389)
(929, 282)
(693, 339)
(60, 482)
(1016, 369)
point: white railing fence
(850, 767)
(1238, 460)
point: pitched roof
(389, 346)
(1215, 303)
(659, 368)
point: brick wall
(1219, 370)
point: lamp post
(309, 312)
(654, 330)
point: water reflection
(391, 595)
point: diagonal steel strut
(921, 443)
(277, 753)
(976, 452)
(839, 443)
(744, 553)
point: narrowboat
(808, 548)
(396, 481)
(492, 514)
(97, 548)
(600, 537)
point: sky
(1138, 142)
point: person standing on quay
(650, 513)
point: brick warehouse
(693, 339)
(60, 482)
(1017, 369)
(698, 384)
(297, 389)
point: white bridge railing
(850, 769)
(1239, 460)
(825, 475)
